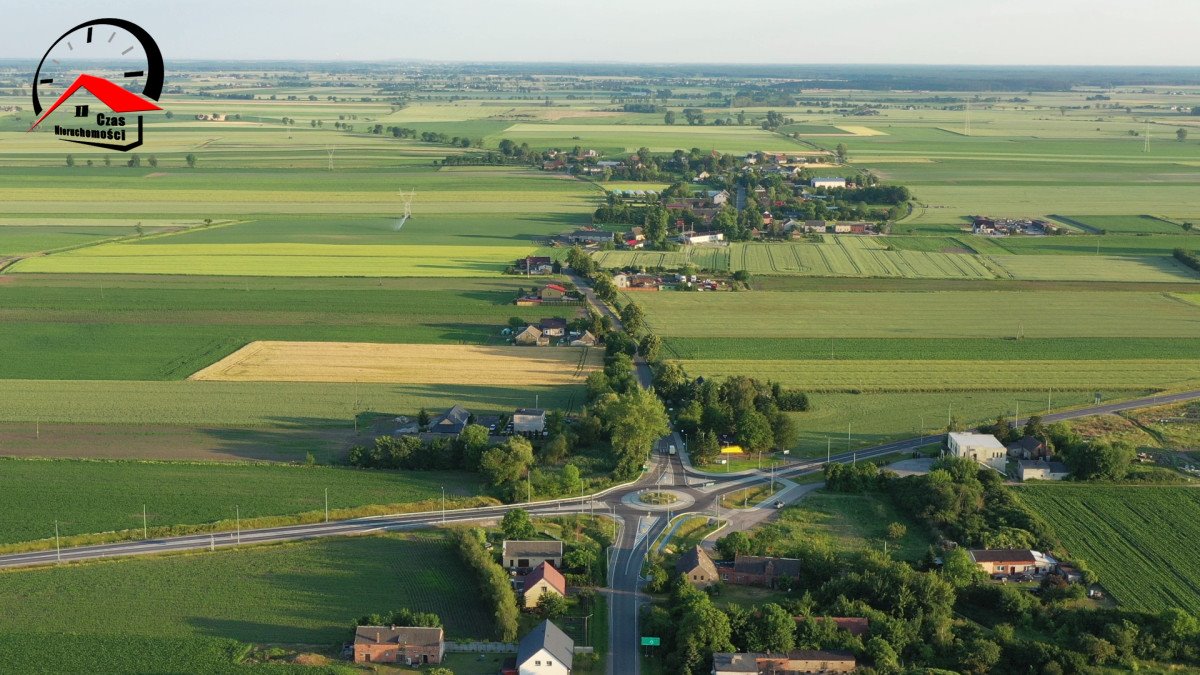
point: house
(536, 265)
(756, 570)
(591, 237)
(409, 645)
(589, 153)
(1012, 560)
(585, 340)
(717, 197)
(983, 448)
(1029, 447)
(524, 555)
(621, 280)
(545, 650)
(542, 580)
(529, 421)
(800, 661)
(553, 327)
(703, 238)
(531, 336)
(699, 569)
(841, 228)
(828, 182)
(552, 292)
(1032, 469)
(452, 422)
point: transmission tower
(967, 110)
(408, 199)
(1146, 147)
(330, 149)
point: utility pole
(327, 505)
(828, 449)
(443, 505)
(237, 511)
(57, 547)
(847, 435)
(145, 525)
(212, 542)
(1048, 394)
(37, 429)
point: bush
(494, 584)
(1188, 258)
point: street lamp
(443, 505)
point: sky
(985, 32)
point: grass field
(845, 523)
(88, 497)
(1141, 224)
(975, 375)
(407, 363)
(659, 138)
(990, 349)
(187, 611)
(1138, 539)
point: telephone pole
(145, 526)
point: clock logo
(115, 61)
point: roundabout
(659, 499)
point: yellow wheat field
(268, 361)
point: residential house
(452, 422)
(983, 448)
(536, 265)
(828, 182)
(756, 570)
(621, 280)
(1033, 469)
(525, 555)
(529, 421)
(554, 165)
(717, 197)
(1029, 447)
(699, 569)
(1012, 561)
(637, 234)
(585, 340)
(553, 327)
(799, 661)
(841, 228)
(531, 336)
(398, 644)
(589, 153)
(545, 650)
(552, 292)
(542, 580)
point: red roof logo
(111, 95)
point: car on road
(778, 504)
(671, 449)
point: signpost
(651, 641)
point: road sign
(651, 641)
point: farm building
(585, 340)
(703, 238)
(398, 644)
(699, 569)
(800, 661)
(542, 580)
(756, 570)
(983, 448)
(525, 555)
(1012, 560)
(591, 237)
(536, 265)
(828, 182)
(545, 650)
(1033, 469)
(531, 336)
(552, 292)
(452, 422)
(529, 421)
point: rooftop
(551, 638)
(977, 440)
(397, 635)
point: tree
(1181, 134)
(959, 569)
(571, 482)
(423, 419)
(70, 160)
(516, 525)
(896, 531)
(107, 160)
(153, 161)
(632, 317)
(507, 463)
(552, 605)
(634, 420)
(515, 322)
(883, 655)
(1100, 459)
(754, 432)
(669, 118)
(774, 630)
(134, 162)
(191, 160)
(1187, 228)
(473, 441)
(842, 152)
(979, 656)
(732, 544)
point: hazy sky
(1076, 32)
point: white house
(546, 650)
(829, 182)
(983, 448)
(529, 421)
(1030, 469)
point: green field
(1140, 224)
(1138, 539)
(951, 314)
(659, 138)
(931, 348)
(846, 524)
(88, 497)
(183, 613)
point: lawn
(1138, 539)
(1141, 224)
(193, 609)
(619, 138)
(88, 497)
